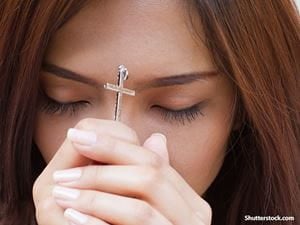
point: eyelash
(51, 106)
(183, 115)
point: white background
(298, 4)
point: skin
(153, 40)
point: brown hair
(255, 43)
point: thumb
(157, 143)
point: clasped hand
(102, 175)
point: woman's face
(152, 39)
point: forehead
(147, 34)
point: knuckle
(152, 178)
(144, 212)
(97, 175)
(156, 162)
(43, 208)
(111, 144)
(131, 135)
(88, 175)
(35, 189)
(90, 199)
(43, 202)
(206, 212)
(207, 206)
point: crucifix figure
(120, 90)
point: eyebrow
(178, 79)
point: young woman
(211, 136)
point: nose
(127, 108)
(134, 115)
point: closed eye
(51, 106)
(182, 115)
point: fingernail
(69, 175)
(157, 143)
(82, 137)
(63, 193)
(162, 137)
(75, 216)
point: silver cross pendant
(120, 90)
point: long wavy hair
(255, 43)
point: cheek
(50, 134)
(199, 153)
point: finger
(42, 213)
(115, 151)
(110, 150)
(109, 127)
(71, 158)
(111, 208)
(196, 202)
(66, 157)
(157, 144)
(131, 181)
(75, 217)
